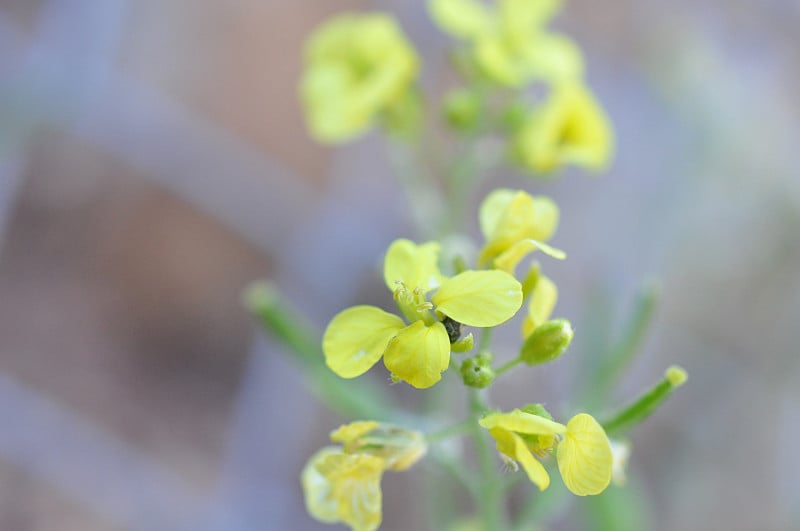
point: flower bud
(462, 109)
(477, 371)
(547, 342)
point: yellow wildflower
(509, 44)
(582, 448)
(342, 484)
(515, 223)
(419, 352)
(357, 66)
(345, 488)
(569, 128)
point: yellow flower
(582, 448)
(514, 224)
(398, 447)
(509, 43)
(357, 66)
(340, 487)
(570, 128)
(419, 352)
(342, 484)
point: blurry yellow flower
(357, 66)
(418, 353)
(569, 128)
(340, 487)
(509, 43)
(398, 447)
(582, 448)
(514, 223)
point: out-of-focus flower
(582, 448)
(570, 128)
(515, 223)
(419, 352)
(398, 447)
(342, 484)
(509, 44)
(357, 66)
(344, 488)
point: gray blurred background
(154, 161)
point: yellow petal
(356, 338)
(317, 491)
(463, 18)
(571, 128)
(521, 422)
(492, 210)
(479, 298)
(418, 354)
(507, 218)
(355, 488)
(350, 432)
(513, 446)
(413, 265)
(508, 259)
(584, 456)
(553, 58)
(498, 62)
(526, 16)
(541, 304)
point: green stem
(490, 499)
(505, 367)
(486, 340)
(450, 431)
(350, 398)
(611, 366)
(646, 404)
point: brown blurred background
(154, 161)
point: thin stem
(490, 499)
(647, 403)
(486, 339)
(349, 398)
(450, 431)
(506, 366)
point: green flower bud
(477, 371)
(547, 342)
(462, 109)
(464, 344)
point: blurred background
(154, 161)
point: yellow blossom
(340, 487)
(419, 352)
(569, 128)
(357, 67)
(398, 447)
(342, 484)
(582, 448)
(514, 224)
(509, 44)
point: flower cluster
(417, 350)
(522, 87)
(359, 66)
(582, 448)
